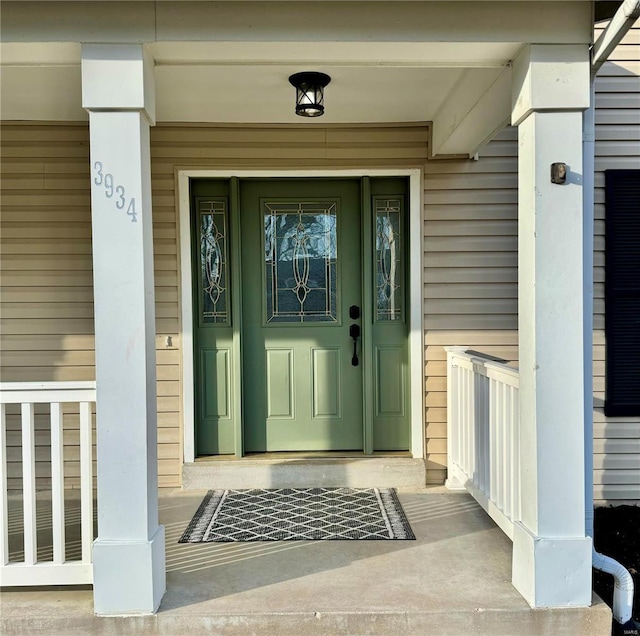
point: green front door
(284, 271)
(301, 297)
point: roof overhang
(229, 62)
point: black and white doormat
(285, 514)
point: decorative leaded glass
(213, 260)
(301, 250)
(389, 275)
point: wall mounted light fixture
(309, 92)
(558, 173)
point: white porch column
(128, 555)
(551, 553)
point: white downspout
(622, 21)
(628, 12)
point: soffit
(248, 82)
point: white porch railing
(483, 433)
(58, 571)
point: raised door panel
(390, 385)
(215, 389)
(280, 383)
(327, 386)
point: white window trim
(416, 327)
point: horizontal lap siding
(470, 269)
(616, 440)
(470, 272)
(47, 292)
(47, 331)
(193, 146)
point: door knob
(354, 332)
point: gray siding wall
(470, 271)
(616, 440)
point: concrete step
(593, 621)
(403, 473)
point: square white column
(551, 552)
(128, 555)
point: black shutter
(622, 292)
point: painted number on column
(114, 191)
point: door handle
(354, 332)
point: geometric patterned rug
(291, 514)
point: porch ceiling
(247, 82)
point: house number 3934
(114, 191)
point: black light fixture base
(309, 78)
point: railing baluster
(471, 426)
(479, 431)
(29, 483)
(486, 435)
(57, 483)
(453, 443)
(494, 458)
(472, 407)
(458, 418)
(468, 424)
(515, 456)
(462, 414)
(508, 476)
(4, 510)
(501, 449)
(464, 421)
(86, 480)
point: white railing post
(454, 440)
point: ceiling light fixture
(309, 92)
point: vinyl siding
(47, 293)
(470, 269)
(616, 440)
(470, 272)
(47, 290)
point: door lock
(354, 332)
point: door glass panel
(301, 251)
(389, 275)
(213, 261)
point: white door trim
(416, 328)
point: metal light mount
(309, 92)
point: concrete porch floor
(454, 579)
